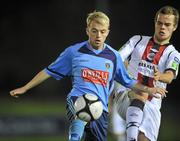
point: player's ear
(87, 31)
(108, 32)
(175, 27)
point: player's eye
(159, 23)
(167, 24)
(94, 31)
(103, 31)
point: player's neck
(95, 47)
(162, 42)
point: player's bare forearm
(165, 77)
(139, 88)
(39, 78)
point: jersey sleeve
(173, 62)
(126, 50)
(61, 67)
(122, 76)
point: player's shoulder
(171, 50)
(138, 38)
(73, 48)
(76, 46)
(114, 53)
(172, 53)
(112, 49)
(171, 47)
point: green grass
(58, 138)
(31, 107)
(55, 107)
(24, 107)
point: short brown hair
(169, 10)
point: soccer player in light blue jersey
(93, 66)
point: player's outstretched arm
(139, 88)
(39, 78)
(165, 77)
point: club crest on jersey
(95, 76)
(152, 53)
(107, 65)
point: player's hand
(16, 92)
(157, 74)
(153, 92)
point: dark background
(33, 33)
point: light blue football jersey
(91, 71)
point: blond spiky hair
(99, 17)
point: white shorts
(152, 116)
(151, 121)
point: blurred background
(33, 33)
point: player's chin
(99, 46)
(162, 38)
(98, 43)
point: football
(88, 107)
